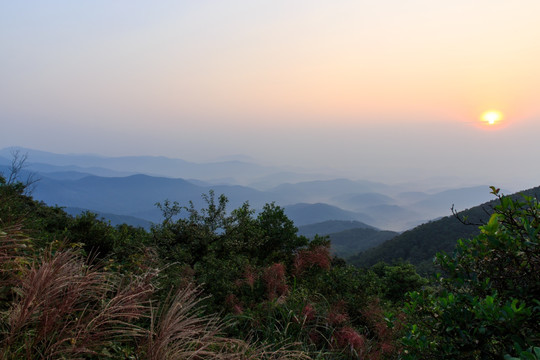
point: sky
(389, 90)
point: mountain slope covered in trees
(420, 244)
(348, 242)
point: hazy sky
(370, 88)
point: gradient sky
(387, 89)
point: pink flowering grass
(275, 280)
(317, 257)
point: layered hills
(130, 186)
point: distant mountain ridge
(160, 166)
(305, 214)
(113, 218)
(347, 237)
(331, 226)
(109, 185)
(134, 195)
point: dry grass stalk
(12, 246)
(250, 351)
(177, 332)
(63, 306)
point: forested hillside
(419, 245)
(352, 241)
(347, 237)
(80, 288)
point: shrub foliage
(486, 301)
(79, 288)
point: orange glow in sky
(369, 87)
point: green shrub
(486, 305)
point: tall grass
(177, 332)
(64, 307)
(13, 244)
(55, 304)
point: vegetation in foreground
(76, 287)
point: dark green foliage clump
(486, 304)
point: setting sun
(492, 117)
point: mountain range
(130, 186)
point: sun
(492, 117)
